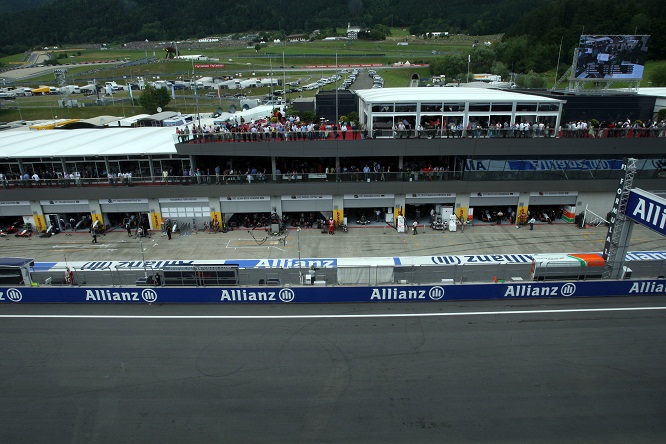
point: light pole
(337, 113)
(270, 60)
(469, 61)
(143, 258)
(298, 242)
(284, 77)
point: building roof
(94, 122)
(113, 141)
(412, 95)
(161, 116)
(129, 121)
(652, 91)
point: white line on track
(335, 316)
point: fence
(361, 275)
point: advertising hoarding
(333, 294)
(648, 210)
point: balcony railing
(249, 179)
(441, 133)
(233, 179)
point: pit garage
(307, 210)
(120, 212)
(13, 211)
(69, 214)
(14, 215)
(245, 211)
(553, 207)
(493, 208)
(425, 208)
(360, 209)
(185, 210)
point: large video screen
(611, 57)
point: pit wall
(315, 294)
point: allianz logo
(647, 287)
(529, 290)
(12, 295)
(284, 295)
(147, 295)
(402, 294)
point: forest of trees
(533, 30)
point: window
(526, 107)
(382, 122)
(431, 107)
(382, 108)
(405, 107)
(454, 107)
(549, 106)
(185, 212)
(479, 107)
(502, 106)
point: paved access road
(433, 372)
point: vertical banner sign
(338, 216)
(156, 220)
(614, 211)
(461, 214)
(216, 217)
(648, 210)
(97, 218)
(40, 224)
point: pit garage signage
(647, 209)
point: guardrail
(233, 179)
(220, 134)
(358, 175)
(128, 276)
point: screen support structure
(620, 227)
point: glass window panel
(453, 107)
(549, 106)
(521, 107)
(479, 107)
(405, 107)
(431, 107)
(382, 126)
(382, 108)
(502, 106)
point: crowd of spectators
(277, 128)
(625, 128)
(292, 128)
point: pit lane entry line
(336, 316)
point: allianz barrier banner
(647, 209)
(287, 295)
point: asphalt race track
(576, 370)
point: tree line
(533, 31)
